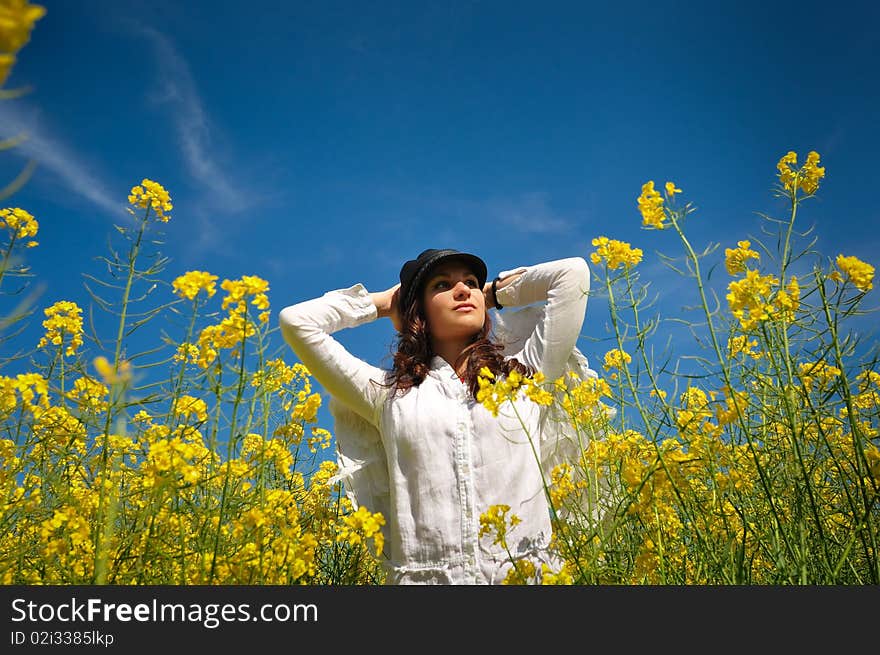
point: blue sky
(322, 144)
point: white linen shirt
(446, 458)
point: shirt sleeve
(564, 284)
(307, 327)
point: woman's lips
(465, 308)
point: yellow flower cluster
(58, 429)
(820, 373)
(582, 401)
(235, 328)
(30, 387)
(494, 393)
(151, 195)
(736, 405)
(275, 374)
(858, 272)
(806, 178)
(868, 397)
(650, 204)
(67, 537)
(872, 457)
(255, 450)
(735, 258)
(175, 458)
(307, 409)
(494, 521)
(190, 283)
(788, 300)
(228, 334)
(20, 224)
(361, 525)
(693, 418)
(616, 358)
(741, 345)
(17, 18)
(64, 318)
(615, 253)
(755, 297)
(119, 373)
(563, 486)
(190, 407)
(90, 395)
(239, 290)
(188, 353)
(320, 439)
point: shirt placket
(463, 445)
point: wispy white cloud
(52, 153)
(192, 124)
(528, 212)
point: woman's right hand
(388, 305)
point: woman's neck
(450, 352)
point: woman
(445, 459)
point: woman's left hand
(487, 295)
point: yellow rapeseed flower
(187, 352)
(616, 358)
(494, 394)
(274, 375)
(190, 283)
(307, 411)
(748, 298)
(671, 190)
(521, 573)
(151, 195)
(615, 253)
(89, 394)
(651, 206)
(805, 178)
(494, 521)
(858, 272)
(17, 18)
(812, 173)
(239, 290)
(735, 258)
(740, 345)
(189, 406)
(820, 373)
(320, 439)
(362, 525)
(549, 577)
(32, 386)
(111, 374)
(788, 300)
(64, 326)
(20, 224)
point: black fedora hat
(413, 271)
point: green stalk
(120, 333)
(726, 372)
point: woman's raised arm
(307, 326)
(565, 285)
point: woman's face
(453, 300)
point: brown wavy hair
(412, 361)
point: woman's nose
(462, 289)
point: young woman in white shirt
(414, 442)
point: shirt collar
(442, 368)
